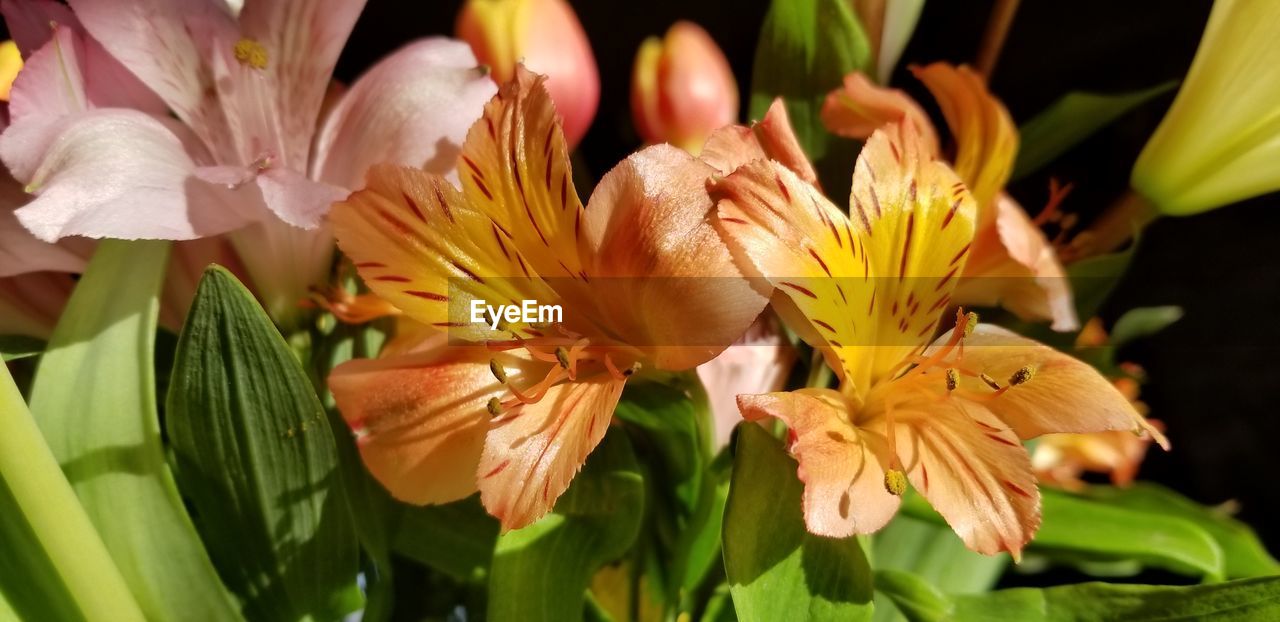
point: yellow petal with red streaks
(860, 107)
(972, 469)
(515, 168)
(842, 467)
(986, 138)
(419, 244)
(420, 420)
(1062, 394)
(533, 451)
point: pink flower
(159, 119)
(682, 88)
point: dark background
(1214, 375)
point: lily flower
(867, 290)
(1220, 140)
(682, 88)
(544, 36)
(186, 121)
(1012, 263)
(643, 279)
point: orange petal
(662, 279)
(842, 467)
(533, 451)
(1062, 395)
(419, 245)
(861, 107)
(420, 420)
(515, 168)
(986, 138)
(771, 139)
(973, 470)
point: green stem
(55, 516)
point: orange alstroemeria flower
(868, 291)
(1011, 263)
(516, 414)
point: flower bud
(1220, 141)
(682, 88)
(546, 36)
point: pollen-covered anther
(970, 323)
(635, 367)
(1021, 376)
(991, 382)
(953, 379)
(562, 357)
(895, 482)
(498, 370)
(494, 407)
(251, 53)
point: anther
(1022, 375)
(895, 482)
(498, 370)
(494, 406)
(251, 53)
(970, 323)
(562, 356)
(991, 382)
(953, 379)
(635, 367)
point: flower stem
(993, 39)
(1117, 225)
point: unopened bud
(682, 88)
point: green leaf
(777, 570)
(1243, 554)
(1143, 322)
(1092, 279)
(14, 347)
(933, 553)
(1081, 529)
(542, 572)
(1244, 600)
(257, 460)
(1070, 120)
(54, 565)
(456, 538)
(94, 398)
(805, 49)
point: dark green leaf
(542, 572)
(805, 49)
(777, 570)
(456, 539)
(1143, 322)
(14, 347)
(94, 397)
(1093, 279)
(257, 460)
(933, 553)
(1072, 119)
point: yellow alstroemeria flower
(641, 275)
(868, 290)
(1012, 263)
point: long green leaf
(776, 569)
(14, 347)
(54, 565)
(933, 553)
(805, 49)
(257, 460)
(1072, 119)
(456, 538)
(542, 572)
(94, 398)
(1244, 600)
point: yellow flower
(1220, 141)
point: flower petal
(1062, 395)
(420, 419)
(32, 22)
(974, 472)
(122, 174)
(842, 466)
(662, 278)
(418, 243)
(413, 108)
(21, 252)
(533, 451)
(771, 139)
(31, 303)
(860, 107)
(758, 362)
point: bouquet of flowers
(282, 348)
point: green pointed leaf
(934, 554)
(1070, 120)
(15, 347)
(805, 49)
(54, 566)
(1143, 322)
(776, 569)
(456, 538)
(94, 398)
(1093, 279)
(257, 460)
(542, 572)
(1077, 529)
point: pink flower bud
(682, 88)
(546, 36)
